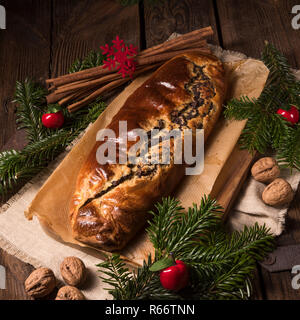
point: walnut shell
(73, 271)
(278, 192)
(265, 170)
(69, 293)
(40, 283)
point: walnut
(265, 170)
(73, 271)
(69, 293)
(278, 192)
(40, 283)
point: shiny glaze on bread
(111, 201)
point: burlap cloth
(250, 208)
(27, 241)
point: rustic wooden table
(43, 37)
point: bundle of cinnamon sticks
(81, 88)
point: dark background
(43, 37)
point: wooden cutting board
(232, 177)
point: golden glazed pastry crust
(111, 201)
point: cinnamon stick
(71, 84)
(180, 45)
(70, 97)
(196, 34)
(110, 86)
(100, 71)
(78, 95)
(54, 97)
(65, 96)
(169, 55)
(80, 75)
(88, 83)
(66, 93)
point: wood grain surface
(81, 26)
(245, 25)
(177, 16)
(24, 52)
(44, 36)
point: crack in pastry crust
(111, 201)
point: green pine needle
(18, 166)
(288, 151)
(221, 266)
(241, 109)
(93, 59)
(265, 129)
(176, 231)
(31, 102)
(277, 64)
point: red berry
(53, 120)
(175, 277)
(291, 115)
(294, 114)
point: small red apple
(291, 115)
(54, 118)
(175, 277)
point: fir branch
(221, 265)
(277, 129)
(241, 109)
(162, 224)
(93, 59)
(255, 135)
(174, 231)
(288, 151)
(119, 276)
(255, 241)
(266, 129)
(233, 283)
(12, 169)
(31, 103)
(219, 251)
(19, 166)
(125, 285)
(280, 72)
